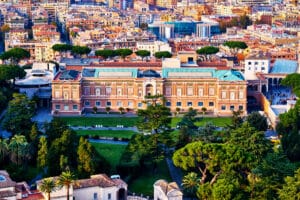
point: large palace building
(219, 91)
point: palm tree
(66, 179)
(18, 148)
(47, 186)
(3, 149)
(190, 182)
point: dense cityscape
(149, 99)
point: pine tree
(85, 161)
(42, 153)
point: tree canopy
(163, 54)
(142, 53)
(208, 50)
(62, 47)
(124, 52)
(236, 44)
(105, 53)
(257, 121)
(80, 50)
(15, 55)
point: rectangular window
(57, 94)
(168, 91)
(108, 90)
(130, 104)
(200, 103)
(109, 196)
(108, 103)
(130, 91)
(189, 104)
(119, 91)
(87, 103)
(75, 107)
(179, 92)
(168, 103)
(140, 105)
(86, 90)
(200, 92)
(74, 94)
(66, 107)
(211, 91)
(232, 95)
(241, 94)
(98, 91)
(190, 91)
(57, 107)
(66, 95)
(241, 107)
(178, 103)
(223, 107)
(211, 104)
(98, 103)
(223, 95)
(119, 103)
(95, 196)
(231, 107)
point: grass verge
(106, 133)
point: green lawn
(105, 121)
(144, 184)
(111, 152)
(132, 121)
(107, 133)
(217, 121)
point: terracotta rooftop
(5, 180)
(100, 180)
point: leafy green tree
(15, 55)
(62, 47)
(33, 136)
(190, 183)
(203, 109)
(107, 109)
(8, 72)
(291, 188)
(85, 160)
(207, 50)
(269, 175)
(210, 159)
(163, 54)
(257, 121)
(237, 119)
(235, 46)
(121, 109)
(80, 50)
(3, 149)
(123, 52)
(292, 80)
(66, 179)
(55, 129)
(155, 119)
(206, 133)
(245, 21)
(143, 53)
(105, 53)
(19, 113)
(47, 186)
(18, 149)
(42, 153)
(252, 141)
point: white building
(154, 46)
(95, 188)
(166, 191)
(256, 64)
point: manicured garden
(104, 121)
(111, 152)
(106, 133)
(201, 121)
